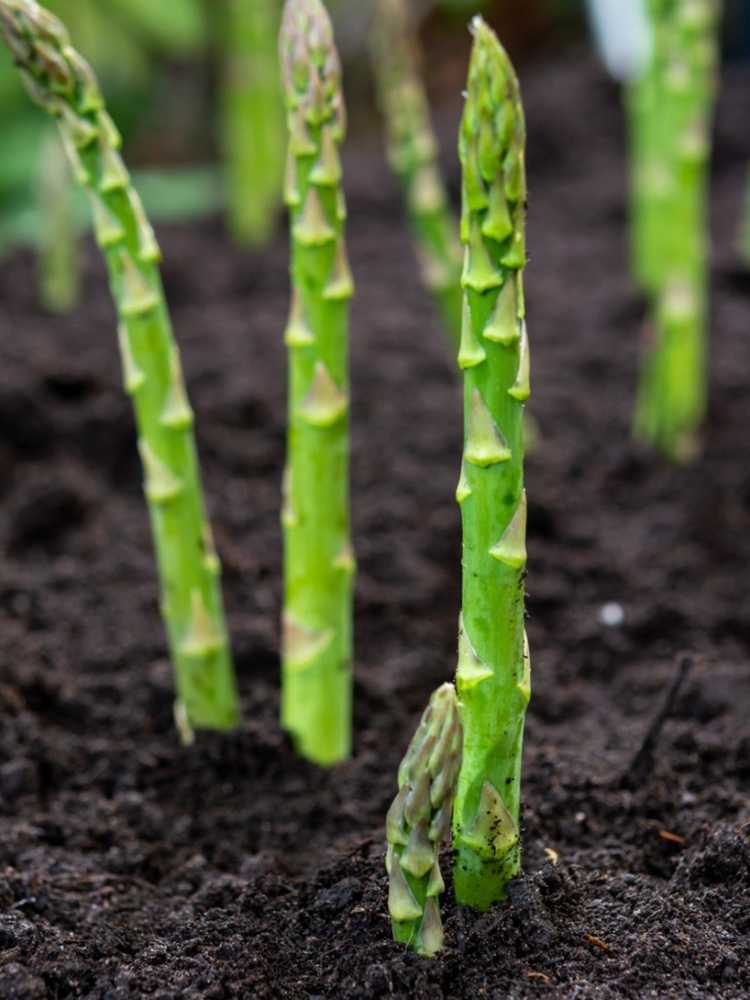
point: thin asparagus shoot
(413, 155)
(58, 262)
(419, 820)
(253, 119)
(671, 176)
(63, 84)
(744, 240)
(318, 557)
(493, 676)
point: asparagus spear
(253, 118)
(318, 558)
(492, 678)
(744, 238)
(419, 820)
(59, 80)
(58, 242)
(675, 97)
(412, 152)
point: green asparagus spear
(58, 242)
(253, 118)
(671, 238)
(59, 80)
(493, 677)
(412, 152)
(744, 239)
(318, 558)
(419, 820)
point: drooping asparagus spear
(318, 559)
(253, 118)
(671, 239)
(493, 677)
(419, 821)
(57, 262)
(59, 80)
(412, 152)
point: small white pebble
(611, 614)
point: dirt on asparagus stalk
(419, 821)
(493, 678)
(671, 108)
(61, 82)
(413, 155)
(318, 557)
(253, 118)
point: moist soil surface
(133, 867)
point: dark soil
(131, 867)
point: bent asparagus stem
(253, 115)
(318, 558)
(671, 238)
(59, 80)
(419, 821)
(412, 152)
(492, 678)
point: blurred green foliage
(126, 42)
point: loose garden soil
(131, 867)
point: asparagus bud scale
(60, 80)
(493, 667)
(318, 557)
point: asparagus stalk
(412, 153)
(253, 119)
(675, 97)
(58, 243)
(744, 240)
(419, 821)
(59, 80)
(493, 677)
(318, 558)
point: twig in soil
(597, 942)
(642, 764)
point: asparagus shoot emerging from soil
(671, 110)
(419, 821)
(318, 557)
(59, 80)
(412, 152)
(493, 677)
(253, 118)
(58, 243)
